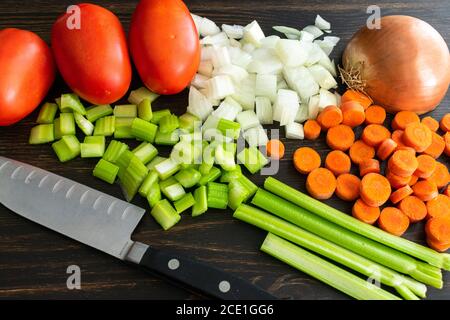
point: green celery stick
(47, 113)
(137, 96)
(158, 115)
(167, 168)
(252, 159)
(68, 148)
(224, 159)
(149, 181)
(172, 189)
(186, 202)
(151, 165)
(64, 125)
(106, 171)
(188, 177)
(154, 195)
(145, 110)
(123, 128)
(96, 112)
(168, 123)
(189, 123)
(237, 194)
(71, 102)
(114, 151)
(144, 130)
(125, 111)
(228, 176)
(217, 195)
(229, 128)
(105, 126)
(93, 147)
(165, 214)
(145, 152)
(201, 201)
(85, 125)
(212, 175)
(167, 139)
(42, 133)
(132, 177)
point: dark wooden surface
(33, 260)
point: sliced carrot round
(440, 176)
(439, 206)
(438, 229)
(374, 134)
(330, 117)
(369, 166)
(414, 208)
(353, 95)
(365, 213)
(393, 220)
(409, 149)
(338, 162)
(444, 124)
(425, 190)
(352, 114)
(347, 187)
(306, 160)
(397, 181)
(431, 123)
(401, 194)
(275, 149)
(312, 129)
(375, 189)
(417, 136)
(413, 180)
(447, 143)
(321, 183)
(436, 147)
(447, 191)
(438, 246)
(375, 115)
(386, 148)
(397, 137)
(403, 163)
(340, 137)
(426, 167)
(403, 118)
(359, 151)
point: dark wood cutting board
(34, 260)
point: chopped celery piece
(323, 270)
(201, 201)
(58, 102)
(64, 125)
(186, 153)
(145, 110)
(114, 151)
(42, 133)
(224, 158)
(93, 147)
(158, 115)
(125, 111)
(184, 203)
(154, 195)
(71, 102)
(167, 139)
(168, 123)
(339, 218)
(205, 168)
(136, 96)
(96, 112)
(154, 162)
(252, 159)
(191, 137)
(172, 189)
(123, 161)
(145, 152)
(165, 214)
(67, 148)
(237, 194)
(144, 130)
(105, 126)
(151, 179)
(248, 184)
(188, 177)
(211, 176)
(133, 177)
(189, 122)
(167, 168)
(47, 113)
(123, 128)
(229, 128)
(228, 176)
(106, 171)
(85, 125)
(217, 195)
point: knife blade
(107, 223)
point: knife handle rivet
(173, 264)
(224, 286)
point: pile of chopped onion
(256, 80)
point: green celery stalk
(167, 168)
(93, 147)
(365, 247)
(144, 130)
(158, 115)
(42, 133)
(157, 160)
(47, 113)
(149, 181)
(96, 112)
(67, 148)
(224, 158)
(248, 184)
(188, 177)
(237, 194)
(85, 125)
(172, 189)
(191, 137)
(58, 102)
(145, 152)
(64, 125)
(186, 202)
(441, 260)
(145, 110)
(105, 126)
(167, 139)
(168, 123)
(322, 270)
(229, 128)
(217, 195)
(106, 171)
(329, 250)
(114, 151)
(228, 176)
(123, 128)
(125, 111)
(154, 195)
(186, 153)
(165, 214)
(252, 159)
(201, 201)
(123, 161)
(136, 96)
(132, 178)
(71, 102)
(211, 176)
(189, 123)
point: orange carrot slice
(359, 151)
(447, 143)
(426, 167)
(311, 129)
(338, 162)
(275, 149)
(353, 95)
(340, 137)
(306, 160)
(394, 221)
(321, 183)
(436, 147)
(401, 194)
(352, 113)
(417, 136)
(447, 191)
(431, 123)
(375, 189)
(439, 207)
(414, 208)
(425, 190)
(397, 137)
(439, 247)
(369, 166)
(365, 213)
(444, 124)
(438, 229)
(375, 115)
(440, 176)
(403, 163)
(347, 187)
(374, 134)
(397, 181)
(403, 118)
(330, 117)
(386, 148)
(413, 180)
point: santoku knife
(107, 223)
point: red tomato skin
(164, 45)
(27, 72)
(94, 59)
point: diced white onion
(306, 36)
(332, 39)
(286, 106)
(206, 68)
(198, 21)
(264, 110)
(199, 105)
(206, 53)
(219, 39)
(292, 53)
(326, 98)
(315, 54)
(248, 47)
(236, 73)
(247, 119)
(294, 130)
(256, 137)
(282, 85)
(313, 107)
(302, 113)
(322, 24)
(199, 81)
(220, 57)
(245, 93)
(301, 80)
(269, 42)
(219, 87)
(235, 43)
(316, 32)
(239, 57)
(208, 28)
(228, 109)
(253, 34)
(266, 86)
(323, 77)
(233, 31)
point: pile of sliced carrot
(397, 170)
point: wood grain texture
(33, 260)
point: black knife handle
(201, 277)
